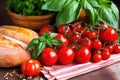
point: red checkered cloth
(62, 72)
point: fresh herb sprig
(97, 10)
(40, 43)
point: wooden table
(111, 72)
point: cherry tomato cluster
(82, 43)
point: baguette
(12, 52)
(23, 34)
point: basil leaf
(107, 16)
(68, 13)
(94, 3)
(54, 5)
(52, 35)
(32, 43)
(87, 6)
(56, 42)
(40, 47)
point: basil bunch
(40, 43)
(98, 10)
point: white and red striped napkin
(63, 72)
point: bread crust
(12, 52)
(23, 34)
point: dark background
(5, 20)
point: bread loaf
(12, 53)
(13, 42)
(23, 34)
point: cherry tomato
(31, 67)
(97, 44)
(85, 42)
(74, 36)
(48, 57)
(116, 49)
(92, 34)
(63, 39)
(96, 57)
(65, 55)
(109, 35)
(82, 55)
(45, 29)
(85, 33)
(110, 48)
(64, 29)
(78, 26)
(105, 53)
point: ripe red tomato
(105, 53)
(78, 26)
(48, 57)
(63, 39)
(110, 48)
(74, 36)
(64, 29)
(92, 34)
(97, 44)
(65, 55)
(109, 35)
(85, 42)
(45, 28)
(96, 57)
(116, 49)
(31, 67)
(85, 33)
(82, 55)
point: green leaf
(52, 35)
(40, 47)
(32, 43)
(94, 3)
(68, 13)
(87, 6)
(54, 5)
(108, 16)
(56, 42)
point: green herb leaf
(32, 43)
(54, 5)
(68, 13)
(57, 42)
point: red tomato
(63, 39)
(85, 33)
(65, 55)
(92, 34)
(45, 29)
(96, 57)
(97, 44)
(31, 67)
(82, 55)
(85, 42)
(48, 57)
(110, 48)
(116, 49)
(74, 36)
(64, 29)
(78, 26)
(109, 35)
(105, 53)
